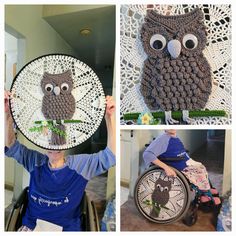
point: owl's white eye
(158, 185)
(157, 42)
(190, 41)
(166, 189)
(64, 87)
(48, 87)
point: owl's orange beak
(174, 48)
(57, 90)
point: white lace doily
(26, 104)
(217, 52)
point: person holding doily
(57, 182)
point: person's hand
(7, 95)
(170, 172)
(110, 106)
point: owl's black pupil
(64, 88)
(189, 44)
(157, 44)
(49, 89)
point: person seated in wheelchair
(57, 183)
(169, 145)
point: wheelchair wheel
(162, 199)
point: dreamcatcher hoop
(26, 103)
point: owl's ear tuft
(46, 74)
(200, 14)
(68, 72)
(149, 14)
(150, 18)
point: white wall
(10, 60)
(227, 162)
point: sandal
(214, 192)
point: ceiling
(96, 49)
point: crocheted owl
(176, 75)
(58, 102)
(161, 195)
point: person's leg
(214, 192)
(205, 199)
(198, 176)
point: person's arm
(110, 123)
(24, 156)
(91, 165)
(169, 171)
(154, 150)
(9, 133)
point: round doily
(178, 196)
(217, 52)
(26, 104)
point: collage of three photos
(63, 80)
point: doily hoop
(26, 102)
(218, 53)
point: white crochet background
(217, 52)
(26, 104)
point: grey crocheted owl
(161, 195)
(58, 101)
(176, 75)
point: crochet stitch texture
(181, 83)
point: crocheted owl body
(59, 108)
(58, 101)
(161, 193)
(176, 75)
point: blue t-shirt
(166, 146)
(55, 194)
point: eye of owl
(190, 41)
(48, 87)
(157, 42)
(166, 189)
(64, 87)
(158, 185)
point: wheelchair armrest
(21, 199)
(89, 216)
(18, 209)
(180, 158)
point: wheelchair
(176, 197)
(163, 199)
(89, 216)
